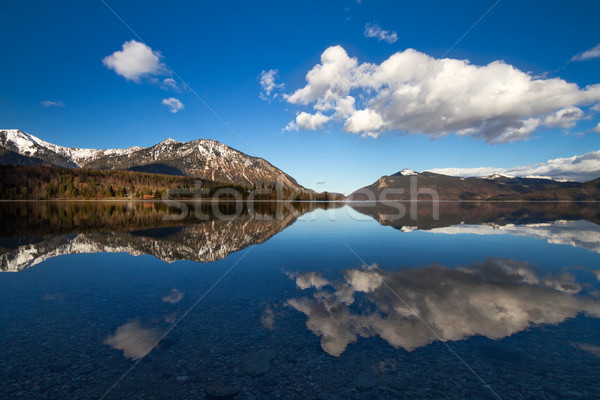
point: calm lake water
(356, 301)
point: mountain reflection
(575, 224)
(421, 215)
(39, 231)
(494, 298)
(582, 234)
(32, 232)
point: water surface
(490, 300)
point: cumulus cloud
(375, 31)
(175, 297)
(594, 52)
(134, 340)
(366, 121)
(412, 92)
(578, 168)
(268, 83)
(174, 104)
(134, 61)
(494, 298)
(169, 83)
(307, 121)
(563, 118)
(597, 128)
(51, 103)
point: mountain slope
(203, 158)
(13, 158)
(586, 191)
(454, 188)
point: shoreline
(285, 201)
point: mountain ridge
(410, 185)
(201, 158)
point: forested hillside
(19, 182)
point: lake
(132, 300)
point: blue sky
(54, 52)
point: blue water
(330, 305)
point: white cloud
(412, 92)
(375, 31)
(169, 83)
(366, 121)
(134, 61)
(594, 52)
(267, 82)
(597, 128)
(173, 104)
(50, 103)
(579, 168)
(308, 121)
(328, 81)
(564, 118)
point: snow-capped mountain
(28, 145)
(407, 172)
(203, 158)
(497, 176)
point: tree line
(44, 183)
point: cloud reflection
(175, 297)
(134, 340)
(580, 233)
(495, 298)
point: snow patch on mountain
(29, 145)
(497, 176)
(202, 158)
(408, 172)
(548, 178)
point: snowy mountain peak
(170, 141)
(21, 142)
(408, 172)
(497, 176)
(203, 158)
(29, 145)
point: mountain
(495, 187)
(203, 158)
(584, 191)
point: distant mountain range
(203, 158)
(494, 187)
(211, 160)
